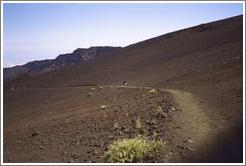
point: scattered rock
(111, 137)
(74, 155)
(41, 147)
(159, 109)
(92, 89)
(120, 133)
(190, 141)
(122, 128)
(102, 145)
(190, 149)
(152, 91)
(161, 115)
(18, 141)
(148, 122)
(155, 127)
(116, 126)
(35, 133)
(158, 131)
(127, 131)
(63, 153)
(153, 122)
(90, 94)
(89, 151)
(94, 153)
(103, 106)
(180, 147)
(140, 131)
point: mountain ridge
(38, 67)
(84, 54)
(161, 51)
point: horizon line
(16, 65)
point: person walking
(124, 83)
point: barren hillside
(197, 71)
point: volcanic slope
(201, 66)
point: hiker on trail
(124, 83)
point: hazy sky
(43, 31)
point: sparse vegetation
(116, 125)
(90, 94)
(133, 150)
(138, 124)
(152, 91)
(93, 89)
(178, 92)
(127, 114)
(154, 134)
(159, 109)
(103, 107)
(104, 114)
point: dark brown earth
(197, 73)
(80, 130)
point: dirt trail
(195, 131)
(192, 118)
(192, 135)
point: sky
(34, 31)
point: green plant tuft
(133, 150)
(152, 91)
(116, 125)
(138, 124)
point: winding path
(195, 129)
(191, 125)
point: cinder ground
(197, 71)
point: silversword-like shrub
(133, 150)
